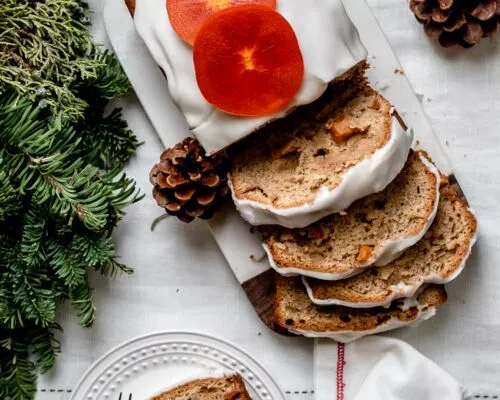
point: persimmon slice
(248, 61)
(187, 16)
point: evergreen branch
(81, 298)
(32, 236)
(116, 142)
(18, 378)
(94, 250)
(66, 264)
(10, 201)
(10, 315)
(25, 285)
(17, 366)
(44, 163)
(32, 296)
(62, 190)
(44, 347)
(110, 81)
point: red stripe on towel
(340, 370)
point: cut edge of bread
(236, 388)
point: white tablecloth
(183, 282)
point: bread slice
(374, 230)
(225, 388)
(438, 258)
(296, 313)
(320, 159)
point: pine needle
(157, 220)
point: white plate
(148, 365)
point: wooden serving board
(241, 247)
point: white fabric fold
(379, 368)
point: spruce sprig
(62, 189)
(58, 210)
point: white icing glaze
(400, 289)
(328, 39)
(292, 271)
(393, 323)
(367, 177)
(412, 301)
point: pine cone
(462, 22)
(188, 183)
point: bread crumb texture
(285, 164)
(437, 256)
(225, 388)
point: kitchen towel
(379, 368)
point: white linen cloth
(379, 368)
(183, 282)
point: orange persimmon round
(248, 61)
(187, 16)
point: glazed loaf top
(328, 40)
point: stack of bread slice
(363, 231)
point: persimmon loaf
(320, 159)
(225, 388)
(296, 313)
(374, 230)
(438, 258)
(329, 51)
